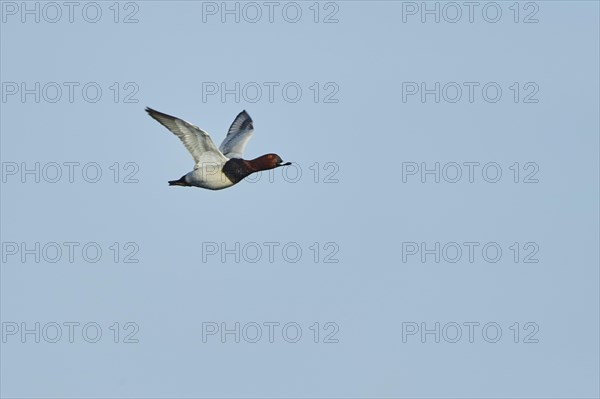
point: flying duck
(220, 168)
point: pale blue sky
(165, 61)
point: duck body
(209, 177)
(216, 169)
(216, 177)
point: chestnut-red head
(268, 161)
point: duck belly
(210, 177)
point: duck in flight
(220, 168)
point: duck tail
(180, 182)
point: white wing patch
(196, 140)
(238, 135)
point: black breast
(236, 169)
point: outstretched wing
(238, 135)
(196, 140)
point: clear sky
(444, 188)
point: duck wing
(238, 135)
(196, 140)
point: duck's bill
(284, 164)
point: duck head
(268, 161)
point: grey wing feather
(238, 135)
(196, 140)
